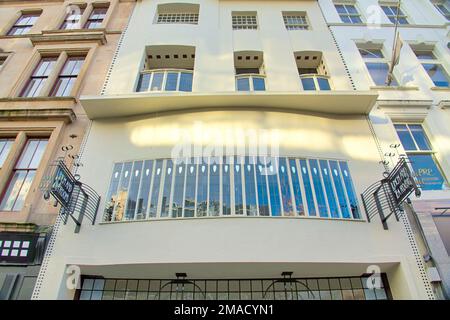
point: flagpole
(391, 67)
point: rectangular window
(377, 66)
(202, 190)
(178, 187)
(421, 155)
(23, 175)
(394, 13)
(181, 18)
(67, 77)
(238, 200)
(433, 67)
(286, 195)
(443, 6)
(5, 147)
(214, 189)
(295, 21)
(191, 183)
(96, 18)
(244, 21)
(167, 188)
(226, 189)
(250, 190)
(39, 77)
(72, 19)
(23, 24)
(348, 13)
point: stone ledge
(66, 115)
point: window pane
(153, 207)
(38, 154)
(272, 177)
(427, 172)
(165, 202)
(171, 81)
(405, 137)
(144, 191)
(323, 84)
(263, 201)
(33, 88)
(378, 72)
(308, 84)
(189, 201)
(329, 189)
(437, 74)
(178, 190)
(259, 84)
(226, 189)
(5, 147)
(286, 196)
(136, 174)
(243, 84)
(214, 189)
(186, 81)
(339, 189)
(157, 81)
(202, 190)
(350, 190)
(143, 83)
(250, 191)
(419, 136)
(237, 174)
(27, 154)
(13, 190)
(320, 197)
(24, 191)
(307, 185)
(111, 197)
(123, 191)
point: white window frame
(383, 60)
(445, 4)
(245, 22)
(394, 16)
(434, 61)
(177, 18)
(302, 22)
(348, 14)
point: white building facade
(230, 147)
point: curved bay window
(312, 71)
(262, 186)
(167, 68)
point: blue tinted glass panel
(226, 192)
(437, 74)
(157, 81)
(202, 190)
(286, 197)
(153, 207)
(350, 190)
(250, 191)
(143, 82)
(320, 196)
(405, 137)
(259, 84)
(355, 19)
(297, 188)
(122, 195)
(178, 190)
(427, 172)
(339, 189)
(308, 84)
(171, 81)
(263, 200)
(189, 197)
(243, 84)
(167, 188)
(214, 189)
(351, 9)
(134, 188)
(237, 174)
(186, 81)
(323, 84)
(379, 72)
(307, 185)
(144, 192)
(340, 8)
(112, 192)
(275, 204)
(329, 189)
(419, 136)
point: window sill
(231, 217)
(26, 35)
(65, 114)
(69, 35)
(69, 31)
(440, 88)
(19, 99)
(394, 88)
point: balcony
(250, 82)
(315, 82)
(165, 80)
